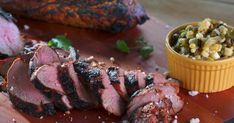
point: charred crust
(70, 90)
(113, 74)
(55, 97)
(31, 109)
(149, 79)
(90, 77)
(131, 83)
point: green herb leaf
(146, 51)
(141, 41)
(60, 41)
(122, 46)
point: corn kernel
(211, 41)
(192, 45)
(189, 34)
(215, 55)
(228, 51)
(198, 57)
(216, 47)
(205, 54)
(193, 50)
(199, 36)
(204, 26)
(223, 30)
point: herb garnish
(122, 46)
(144, 48)
(60, 41)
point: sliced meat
(65, 56)
(155, 78)
(23, 94)
(116, 77)
(46, 79)
(72, 86)
(10, 40)
(89, 77)
(141, 79)
(99, 84)
(43, 55)
(111, 100)
(131, 82)
(149, 79)
(150, 113)
(157, 93)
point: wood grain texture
(176, 12)
(215, 109)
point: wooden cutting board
(214, 108)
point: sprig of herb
(145, 49)
(122, 46)
(60, 41)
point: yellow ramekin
(198, 75)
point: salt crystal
(112, 59)
(90, 58)
(193, 93)
(207, 96)
(167, 26)
(11, 88)
(194, 120)
(41, 117)
(99, 117)
(26, 27)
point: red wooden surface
(218, 107)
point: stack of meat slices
(47, 81)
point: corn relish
(208, 40)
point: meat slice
(23, 94)
(43, 55)
(150, 113)
(98, 83)
(157, 93)
(89, 77)
(131, 82)
(116, 77)
(141, 79)
(46, 79)
(111, 100)
(10, 40)
(75, 91)
(155, 78)
(65, 56)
